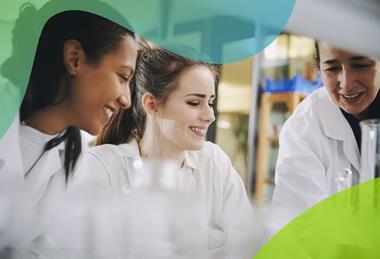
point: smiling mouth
(200, 131)
(109, 111)
(352, 97)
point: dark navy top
(373, 113)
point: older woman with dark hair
(320, 142)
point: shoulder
(103, 151)
(212, 152)
(11, 134)
(312, 104)
(98, 157)
(126, 149)
(112, 155)
(213, 161)
(97, 166)
(310, 113)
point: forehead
(196, 79)
(125, 53)
(331, 53)
(328, 51)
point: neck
(153, 144)
(50, 120)
(372, 111)
(362, 116)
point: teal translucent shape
(216, 31)
(220, 31)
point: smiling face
(188, 110)
(352, 80)
(98, 90)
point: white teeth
(109, 112)
(199, 131)
(351, 96)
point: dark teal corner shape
(216, 31)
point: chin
(353, 111)
(93, 130)
(195, 146)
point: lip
(109, 111)
(354, 97)
(199, 130)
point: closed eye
(362, 65)
(123, 78)
(194, 104)
(332, 69)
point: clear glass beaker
(370, 149)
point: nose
(124, 99)
(347, 80)
(208, 114)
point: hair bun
(22, 30)
(25, 21)
(28, 10)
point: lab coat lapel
(350, 148)
(11, 166)
(38, 179)
(337, 127)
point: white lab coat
(317, 145)
(10, 173)
(46, 173)
(32, 198)
(27, 203)
(12, 169)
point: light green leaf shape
(344, 226)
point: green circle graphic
(216, 31)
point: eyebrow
(128, 67)
(360, 58)
(356, 58)
(200, 95)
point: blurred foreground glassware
(370, 149)
(166, 220)
(150, 216)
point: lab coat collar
(191, 160)
(53, 157)
(131, 150)
(337, 127)
(58, 154)
(41, 175)
(12, 159)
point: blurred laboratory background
(256, 95)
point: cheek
(167, 126)
(331, 83)
(101, 84)
(370, 79)
(174, 129)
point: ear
(73, 56)
(150, 104)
